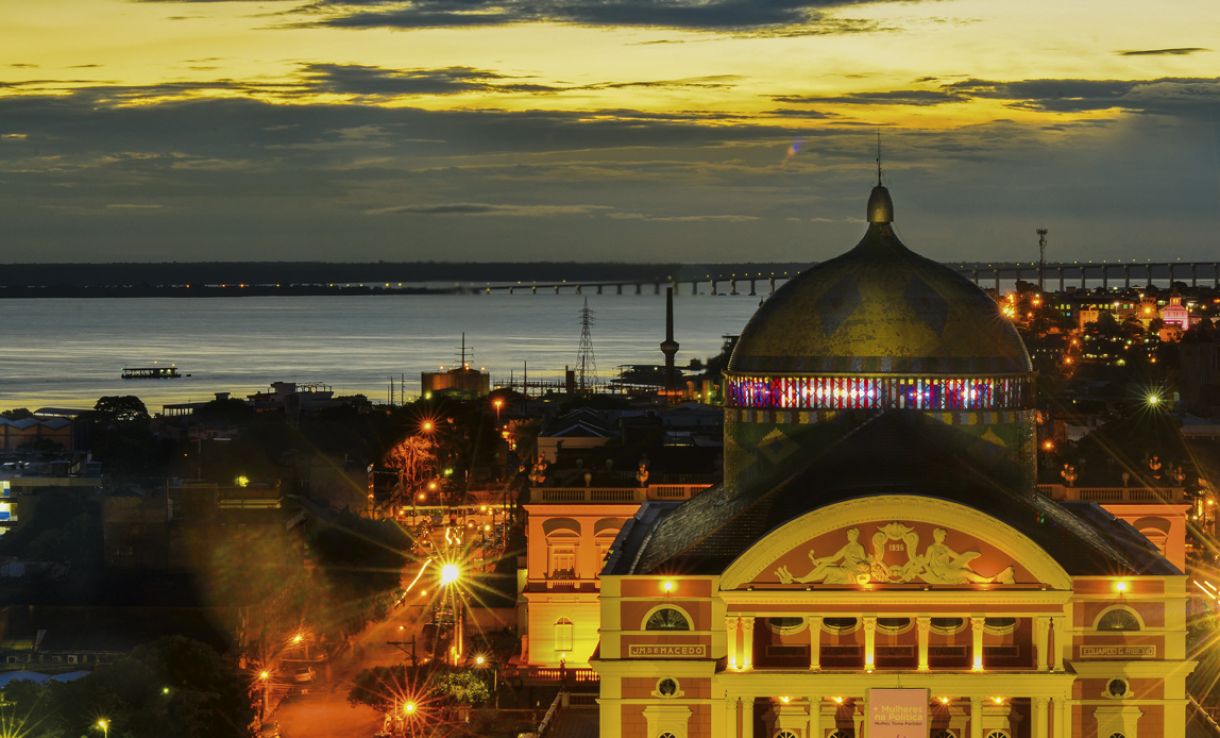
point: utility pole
(1042, 259)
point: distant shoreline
(209, 291)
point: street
(325, 712)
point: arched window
(1000, 626)
(1117, 735)
(667, 618)
(998, 734)
(667, 734)
(838, 734)
(946, 734)
(785, 734)
(948, 626)
(786, 626)
(893, 626)
(1118, 619)
(562, 541)
(604, 533)
(563, 634)
(840, 625)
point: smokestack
(669, 346)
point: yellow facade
(900, 591)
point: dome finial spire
(878, 157)
(880, 206)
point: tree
(383, 688)
(120, 410)
(461, 689)
(414, 458)
(172, 687)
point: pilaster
(976, 645)
(924, 626)
(814, 623)
(870, 642)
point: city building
(878, 553)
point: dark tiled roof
(898, 452)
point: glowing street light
(450, 573)
(480, 660)
(1152, 399)
(103, 725)
(427, 426)
(409, 708)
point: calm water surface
(69, 352)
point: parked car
(304, 675)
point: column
(1042, 626)
(747, 642)
(1063, 641)
(815, 641)
(1038, 717)
(815, 717)
(976, 717)
(731, 723)
(1061, 717)
(924, 626)
(730, 640)
(747, 708)
(870, 642)
(976, 643)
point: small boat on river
(152, 372)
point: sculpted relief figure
(942, 565)
(851, 564)
(846, 566)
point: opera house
(877, 561)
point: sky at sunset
(632, 130)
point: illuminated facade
(878, 529)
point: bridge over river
(1061, 276)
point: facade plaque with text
(667, 651)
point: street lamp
(497, 404)
(450, 573)
(103, 725)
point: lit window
(1118, 619)
(563, 634)
(667, 618)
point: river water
(69, 352)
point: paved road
(325, 711)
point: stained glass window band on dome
(883, 392)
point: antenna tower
(586, 363)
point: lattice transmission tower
(586, 362)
